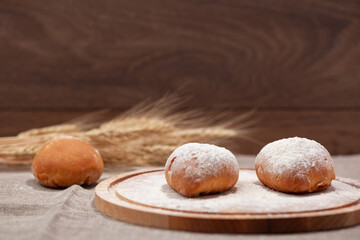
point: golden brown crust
(293, 182)
(191, 188)
(65, 161)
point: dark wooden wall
(296, 62)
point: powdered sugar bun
(196, 168)
(295, 165)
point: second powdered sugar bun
(295, 165)
(196, 169)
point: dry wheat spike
(144, 135)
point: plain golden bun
(65, 161)
(196, 169)
(295, 165)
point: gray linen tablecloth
(30, 211)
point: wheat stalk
(144, 135)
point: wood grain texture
(91, 54)
(339, 131)
(60, 59)
(108, 202)
(14, 122)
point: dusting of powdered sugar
(199, 161)
(247, 196)
(291, 154)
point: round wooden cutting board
(143, 197)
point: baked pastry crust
(295, 165)
(64, 161)
(197, 169)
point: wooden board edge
(280, 223)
